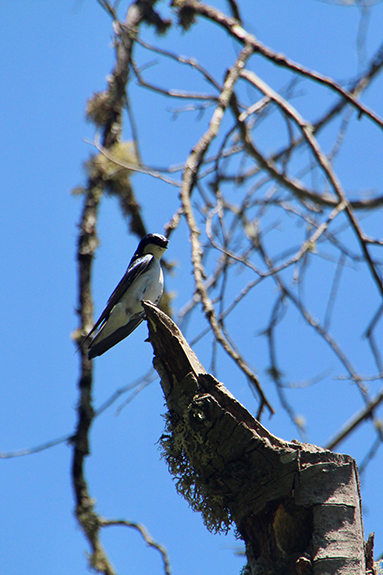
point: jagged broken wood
(296, 506)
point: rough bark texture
(296, 506)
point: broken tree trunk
(296, 506)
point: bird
(143, 280)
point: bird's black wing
(114, 338)
(134, 270)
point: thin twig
(363, 414)
(37, 448)
(145, 535)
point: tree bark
(296, 506)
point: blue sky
(55, 55)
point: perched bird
(143, 280)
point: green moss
(178, 443)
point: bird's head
(155, 244)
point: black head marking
(150, 239)
(156, 239)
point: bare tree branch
(192, 166)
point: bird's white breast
(148, 286)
